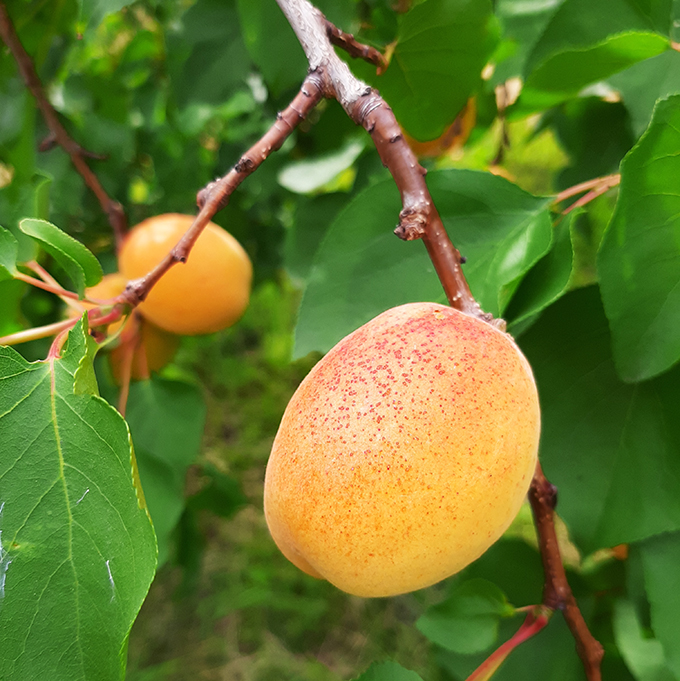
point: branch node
(412, 224)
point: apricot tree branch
(216, 195)
(419, 218)
(114, 210)
(557, 594)
(355, 49)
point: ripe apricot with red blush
(405, 453)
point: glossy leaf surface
(362, 269)
(83, 268)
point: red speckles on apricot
(463, 460)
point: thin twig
(216, 195)
(45, 286)
(355, 49)
(587, 198)
(419, 218)
(36, 267)
(37, 332)
(607, 180)
(537, 618)
(114, 210)
(557, 594)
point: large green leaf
(522, 24)
(612, 449)
(166, 420)
(588, 40)
(643, 84)
(78, 550)
(441, 49)
(362, 269)
(644, 656)
(549, 279)
(467, 621)
(661, 561)
(77, 261)
(639, 262)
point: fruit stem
(37, 332)
(535, 620)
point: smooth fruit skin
(405, 453)
(207, 293)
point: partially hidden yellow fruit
(405, 453)
(152, 350)
(207, 293)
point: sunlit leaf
(77, 549)
(441, 49)
(78, 262)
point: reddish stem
(533, 623)
(355, 49)
(216, 195)
(607, 180)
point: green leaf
(312, 219)
(166, 419)
(639, 261)
(442, 47)
(661, 558)
(644, 83)
(549, 279)
(522, 24)
(92, 12)
(78, 550)
(310, 175)
(208, 59)
(220, 494)
(76, 260)
(11, 293)
(272, 45)
(467, 621)
(361, 269)
(588, 40)
(9, 249)
(388, 671)
(644, 656)
(612, 449)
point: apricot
(405, 453)
(207, 293)
(153, 349)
